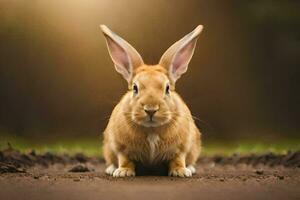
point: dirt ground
(49, 176)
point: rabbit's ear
(178, 56)
(124, 56)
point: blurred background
(57, 81)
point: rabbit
(151, 124)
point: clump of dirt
(80, 168)
(9, 168)
(259, 172)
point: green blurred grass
(63, 146)
(93, 147)
(250, 146)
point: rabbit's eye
(135, 89)
(168, 89)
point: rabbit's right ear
(124, 56)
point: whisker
(183, 114)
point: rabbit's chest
(154, 150)
(154, 142)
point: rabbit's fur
(151, 124)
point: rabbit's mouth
(151, 121)
(150, 124)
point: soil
(49, 176)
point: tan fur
(151, 124)
(177, 139)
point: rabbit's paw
(123, 172)
(110, 169)
(192, 168)
(180, 172)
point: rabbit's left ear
(178, 56)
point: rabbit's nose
(151, 110)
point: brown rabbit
(151, 124)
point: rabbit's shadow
(154, 170)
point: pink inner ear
(119, 56)
(182, 59)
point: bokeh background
(57, 80)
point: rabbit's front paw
(180, 172)
(192, 168)
(123, 172)
(110, 169)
